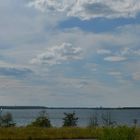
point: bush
(6, 120)
(70, 119)
(41, 121)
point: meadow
(38, 133)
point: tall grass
(118, 133)
(34, 133)
(47, 133)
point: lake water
(23, 117)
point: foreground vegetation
(38, 133)
(42, 129)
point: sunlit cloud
(58, 54)
(88, 9)
(115, 58)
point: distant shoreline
(22, 107)
(43, 107)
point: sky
(70, 53)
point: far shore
(43, 107)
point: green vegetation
(41, 129)
(118, 133)
(6, 120)
(70, 119)
(38, 133)
(41, 121)
(47, 133)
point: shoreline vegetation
(42, 129)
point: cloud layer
(88, 9)
(58, 54)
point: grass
(118, 133)
(32, 133)
(47, 133)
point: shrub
(41, 121)
(6, 120)
(70, 119)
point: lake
(120, 116)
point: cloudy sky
(70, 53)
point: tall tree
(70, 119)
(42, 120)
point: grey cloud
(16, 72)
(98, 8)
(87, 9)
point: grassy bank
(118, 133)
(48, 133)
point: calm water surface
(120, 116)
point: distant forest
(43, 107)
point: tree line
(42, 120)
(69, 120)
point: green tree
(6, 120)
(70, 119)
(42, 120)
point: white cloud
(120, 54)
(87, 9)
(126, 51)
(103, 51)
(115, 58)
(58, 54)
(49, 5)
